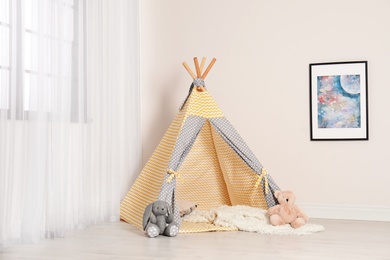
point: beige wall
(261, 82)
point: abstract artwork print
(338, 98)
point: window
(4, 55)
(40, 60)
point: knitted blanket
(249, 219)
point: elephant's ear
(147, 214)
(169, 208)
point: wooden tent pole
(209, 68)
(198, 75)
(189, 70)
(199, 70)
(202, 65)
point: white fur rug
(247, 218)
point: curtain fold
(70, 143)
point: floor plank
(341, 239)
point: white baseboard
(350, 212)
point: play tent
(201, 159)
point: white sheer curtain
(69, 114)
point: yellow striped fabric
(191, 227)
(202, 104)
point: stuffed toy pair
(286, 212)
(158, 220)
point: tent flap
(230, 135)
(185, 140)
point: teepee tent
(201, 159)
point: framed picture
(338, 101)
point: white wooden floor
(340, 240)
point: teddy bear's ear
(277, 193)
(147, 214)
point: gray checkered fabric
(230, 135)
(269, 197)
(198, 82)
(185, 140)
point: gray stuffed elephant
(158, 220)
